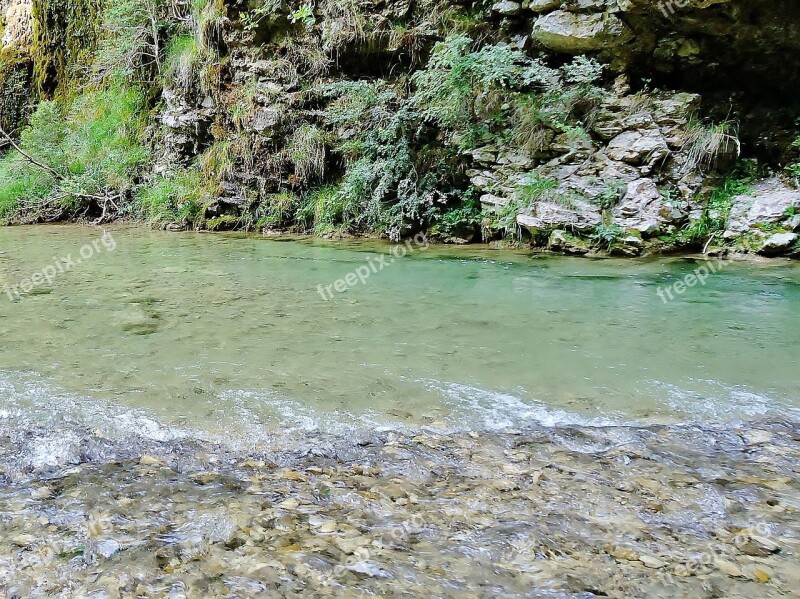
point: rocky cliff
(621, 126)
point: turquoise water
(228, 336)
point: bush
(177, 198)
(94, 146)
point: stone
(641, 208)
(492, 202)
(264, 119)
(729, 568)
(652, 562)
(770, 201)
(507, 8)
(579, 216)
(574, 33)
(23, 540)
(543, 5)
(757, 546)
(638, 147)
(561, 241)
(779, 243)
(483, 156)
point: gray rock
(645, 146)
(769, 202)
(578, 216)
(543, 5)
(561, 241)
(641, 208)
(573, 33)
(492, 202)
(264, 119)
(507, 8)
(779, 243)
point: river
(193, 415)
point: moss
(16, 96)
(65, 34)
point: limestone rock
(574, 33)
(642, 208)
(771, 201)
(638, 147)
(492, 202)
(507, 8)
(579, 216)
(18, 22)
(778, 243)
(543, 5)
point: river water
(201, 415)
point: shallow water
(214, 334)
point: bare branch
(30, 158)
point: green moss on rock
(16, 96)
(65, 34)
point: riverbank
(545, 511)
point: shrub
(717, 211)
(473, 94)
(93, 148)
(176, 198)
(706, 145)
(606, 235)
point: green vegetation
(65, 36)
(16, 73)
(708, 144)
(715, 215)
(473, 94)
(793, 168)
(606, 235)
(75, 159)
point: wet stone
(462, 515)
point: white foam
(492, 410)
(723, 403)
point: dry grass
(705, 145)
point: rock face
(621, 143)
(643, 209)
(18, 25)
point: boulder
(492, 203)
(771, 201)
(574, 33)
(543, 5)
(779, 243)
(507, 8)
(579, 215)
(642, 208)
(561, 241)
(641, 146)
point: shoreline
(510, 247)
